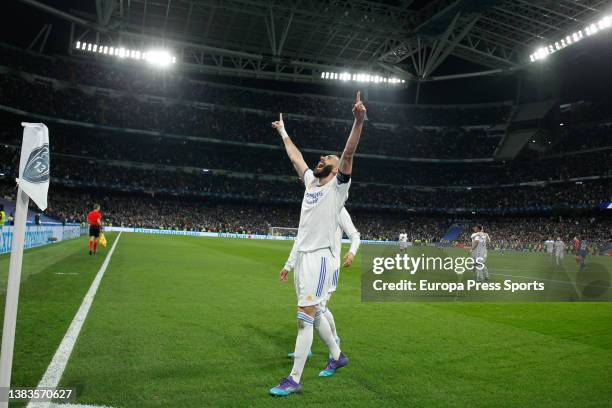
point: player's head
(558, 238)
(477, 228)
(327, 165)
(97, 207)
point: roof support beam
(271, 32)
(534, 4)
(166, 17)
(104, 11)
(433, 64)
(439, 45)
(188, 18)
(284, 35)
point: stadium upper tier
(225, 123)
(128, 79)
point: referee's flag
(102, 240)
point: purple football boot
(333, 365)
(286, 387)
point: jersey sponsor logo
(37, 167)
(313, 198)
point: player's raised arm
(359, 112)
(294, 154)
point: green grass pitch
(197, 322)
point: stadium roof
(299, 39)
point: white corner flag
(33, 183)
(34, 164)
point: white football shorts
(311, 276)
(333, 277)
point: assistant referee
(94, 218)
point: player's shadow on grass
(281, 339)
(594, 282)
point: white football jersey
(403, 237)
(549, 245)
(559, 246)
(319, 217)
(345, 224)
(480, 239)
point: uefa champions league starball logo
(37, 167)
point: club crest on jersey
(37, 167)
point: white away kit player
(559, 250)
(478, 251)
(346, 226)
(403, 241)
(326, 190)
(550, 245)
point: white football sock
(325, 333)
(302, 345)
(332, 323)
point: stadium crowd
(583, 137)
(185, 213)
(180, 152)
(238, 125)
(529, 234)
(166, 180)
(74, 172)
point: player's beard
(323, 171)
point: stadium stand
(131, 138)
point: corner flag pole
(12, 292)
(33, 182)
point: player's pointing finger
(281, 116)
(358, 97)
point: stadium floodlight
(592, 29)
(160, 58)
(361, 77)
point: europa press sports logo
(37, 167)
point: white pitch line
(54, 405)
(54, 372)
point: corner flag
(33, 182)
(34, 164)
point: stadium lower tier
(198, 214)
(199, 183)
(205, 184)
